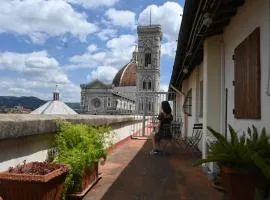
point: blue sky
(71, 42)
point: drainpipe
(177, 91)
(268, 81)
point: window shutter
(201, 99)
(187, 106)
(247, 78)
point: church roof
(96, 84)
(126, 76)
(54, 108)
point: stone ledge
(18, 125)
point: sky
(73, 42)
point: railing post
(144, 112)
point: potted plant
(217, 182)
(81, 146)
(34, 180)
(244, 161)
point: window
(141, 107)
(201, 99)
(247, 91)
(147, 59)
(109, 104)
(144, 85)
(149, 106)
(96, 102)
(187, 107)
(149, 85)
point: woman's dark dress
(164, 131)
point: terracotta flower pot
(32, 187)
(240, 184)
(218, 184)
(90, 178)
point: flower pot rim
(235, 170)
(35, 178)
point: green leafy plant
(250, 151)
(80, 146)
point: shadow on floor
(160, 177)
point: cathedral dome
(126, 76)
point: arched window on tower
(149, 85)
(144, 85)
(147, 58)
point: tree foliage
(80, 146)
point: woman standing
(164, 130)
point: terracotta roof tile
(126, 76)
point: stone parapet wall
(29, 137)
(18, 125)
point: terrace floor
(131, 173)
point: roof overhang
(201, 19)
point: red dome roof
(126, 76)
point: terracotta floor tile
(130, 173)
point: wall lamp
(207, 20)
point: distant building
(54, 107)
(142, 73)
(15, 109)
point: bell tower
(148, 66)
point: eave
(194, 30)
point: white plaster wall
(200, 69)
(31, 148)
(193, 83)
(123, 132)
(253, 14)
(185, 87)
(35, 148)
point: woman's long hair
(166, 107)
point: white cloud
(164, 87)
(103, 73)
(41, 19)
(10, 86)
(107, 34)
(39, 65)
(93, 3)
(92, 48)
(119, 52)
(123, 18)
(168, 49)
(122, 43)
(168, 15)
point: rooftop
(126, 76)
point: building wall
(102, 95)
(253, 14)
(193, 83)
(126, 89)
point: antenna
(150, 16)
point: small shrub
(250, 151)
(80, 146)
